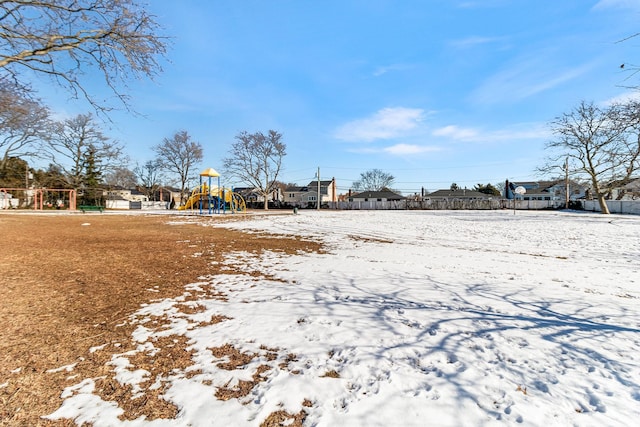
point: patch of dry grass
(68, 287)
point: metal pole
(318, 188)
(566, 183)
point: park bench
(85, 208)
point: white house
(629, 191)
(307, 196)
(547, 190)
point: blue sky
(430, 91)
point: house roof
(312, 186)
(314, 183)
(539, 187)
(634, 184)
(535, 186)
(459, 194)
(246, 190)
(169, 189)
(296, 189)
(383, 194)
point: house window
(291, 195)
(312, 198)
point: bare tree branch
(24, 123)
(256, 159)
(179, 155)
(149, 177)
(600, 144)
(75, 139)
(374, 180)
(64, 38)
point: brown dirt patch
(68, 287)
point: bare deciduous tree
(256, 160)
(79, 140)
(600, 144)
(179, 155)
(64, 38)
(148, 175)
(374, 180)
(24, 122)
(120, 177)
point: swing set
(39, 198)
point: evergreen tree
(92, 177)
(487, 189)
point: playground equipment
(38, 197)
(213, 198)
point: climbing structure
(213, 199)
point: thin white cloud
(384, 124)
(519, 133)
(617, 4)
(564, 76)
(456, 133)
(399, 150)
(473, 41)
(408, 149)
(477, 4)
(622, 98)
(526, 78)
(389, 68)
(513, 133)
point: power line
(465, 166)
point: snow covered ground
(412, 318)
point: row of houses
(557, 190)
(294, 196)
(325, 191)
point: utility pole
(318, 188)
(566, 183)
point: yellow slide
(192, 201)
(234, 200)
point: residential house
(120, 193)
(376, 196)
(459, 194)
(629, 191)
(254, 198)
(546, 190)
(307, 196)
(170, 195)
(125, 198)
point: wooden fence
(615, 206)
(447, 204)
